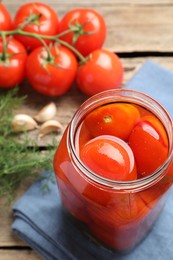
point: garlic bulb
(23, 122)
(46, 113)
(48, 127)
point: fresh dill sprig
(8, 102)
(18, 160)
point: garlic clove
(23, 122)
(46, 113)
(50, 126)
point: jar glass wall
(118, 213)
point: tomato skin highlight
(5, 19)
(51, 79)
(149, 143)
(116, 119)
(47, 24)
(109, 157)
(94, 25)
(101, 72)
(12, 70)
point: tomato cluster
(125, 142)
(53, 53)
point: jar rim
(126, 95)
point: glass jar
(118, 213)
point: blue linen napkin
(43, 224)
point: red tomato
(54, 77)
(12, 68)
(5, 19)
(91, 32)
(101, 72)
(46, 24)
(149, 143)
(110, 120)
(109, 157)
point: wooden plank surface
(136, 30)
(19, 255)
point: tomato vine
(81, 32)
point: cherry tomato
(109, 157)
(90, 29)
(51, 77)
(149, 143)
(12, 65)
(5, 19)
(116, 119)
(102, 71)
(46, 23)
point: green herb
(18, 160)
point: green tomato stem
(38, 37)
(22, 32)
(41, 38)
(64, 33)
(34, 35)
(4, 52)
(33, 18)
(80, 56)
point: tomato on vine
(87, 30)
(13, 57)
(52, 72)
(5, 18)
(81, 31)
(102, 71)
(40, 19)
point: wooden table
(137, 31)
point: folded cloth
(43, 224)
(155, 81)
